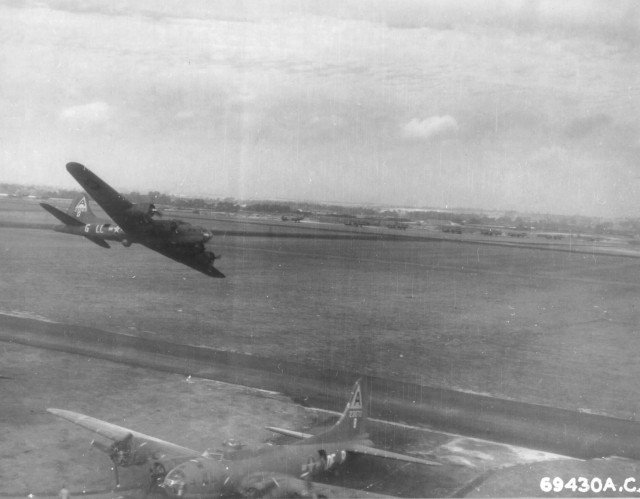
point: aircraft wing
(372, 451)
(359, 448)
(202, 262)
(113, 203)
(118, 433)
(269, 484)
(288, 433)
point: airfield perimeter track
(561, 431)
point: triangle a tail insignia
(81, 207)
(356, 400)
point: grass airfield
(519, 323)
(549, 327)
(41, 452)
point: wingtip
(431, 463)
(214, 272)
(74, 167)
(60, 412)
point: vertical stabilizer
(353, 421)
(80, 209)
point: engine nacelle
(233, 444)
(123, 452)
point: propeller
(108, 449)
(156, 477)
(153, 211)
(119, 452)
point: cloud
(309, 90)
(612, 21)
(86, 115)
(184, 115)
(429, 128)
(583, 126)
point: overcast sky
(531, 105)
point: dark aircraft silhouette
(294, 218)
(282, 471)
(79, 220)
(136, 223)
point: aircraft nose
(173, 486)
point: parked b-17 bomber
(282, 470)
(136, 223)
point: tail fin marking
(353, 421)
(80, 209)
(354, 415)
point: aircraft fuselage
(106, 231)
(154, 233)
(211, 477)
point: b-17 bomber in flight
(135, 223)
(281, 470)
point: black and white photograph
(299, 248)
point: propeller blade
(103, 447)
(108, 449)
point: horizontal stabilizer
(98, 241)
(288, 433)
(62, 216)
